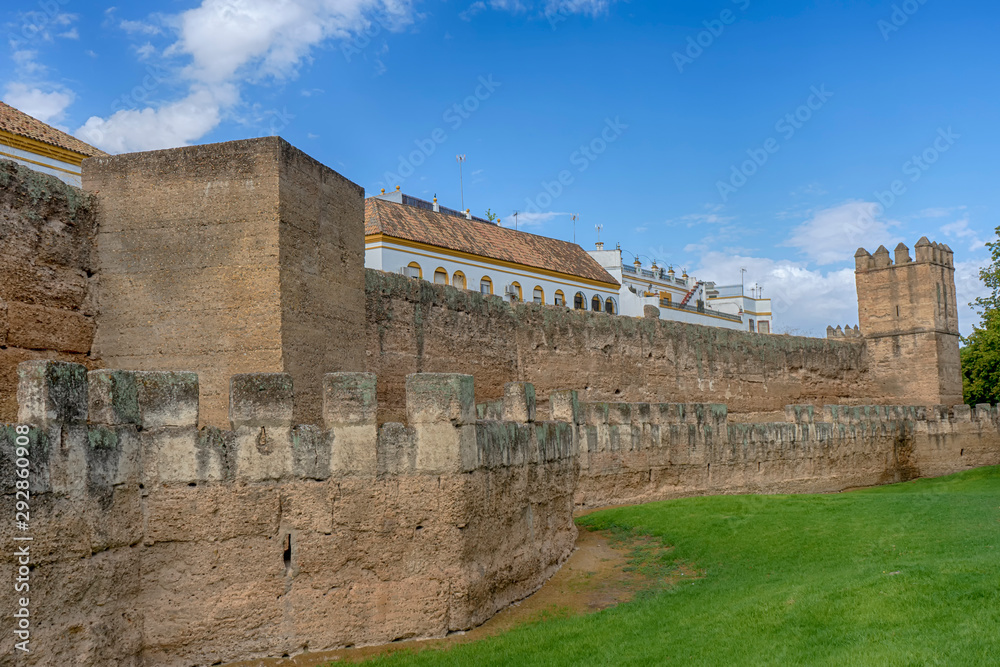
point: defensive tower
(908, 314)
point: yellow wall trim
(41, 148)
(40, 164)
(382, 238)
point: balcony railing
(655, 275)
(664, 303)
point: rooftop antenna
(743, 271)
(575, 217)
(461, 185)
(515, 221)
(598, 228)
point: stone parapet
(298, 531)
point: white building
(421, 239)
(33, 144)
(683, 298)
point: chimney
(468, 214)
(437, 209)
(600, 245)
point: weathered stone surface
(52, 392)
(519, 402)
(44, 328)
(230, 258)
(260, 400)
(455, 520)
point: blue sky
(705, 135)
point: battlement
(847, 331)
(315, 537)
(926, 253)
(908, 315)
(150, 420)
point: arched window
(440, 276)
(486, 285)
(458, 280)
(560, 299)
(610, 306)
(515, 291)
(538, 296)
(580, 301)
(595, 303)
(414, 270)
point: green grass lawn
(899, 575)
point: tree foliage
(981, 353)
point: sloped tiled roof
(478, 238)
(20, 123)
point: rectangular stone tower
(240, 257)
(909, 317)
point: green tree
(490, 215)
(981, 352)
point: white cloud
(145, 51)
(225, 44)
(532, 219)
(585, 7)
(26, 64)
(804, 301)
(176, 124)
(710, 216)
(73, 33)
(961, 231)
(140, 28)
(834, 234)
(472, 10)
(549, 8)
(938, 212)
(272, 38)
(968, 286)
(48, 107)
(810, 189)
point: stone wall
(159, 542)
(229, 258)
(414, 326)
(47, 306)
(908, 313)
(633, 453)
(156, 542)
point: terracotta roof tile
(478, 238)
(20, 123)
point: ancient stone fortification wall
(229, 258)
(414, 326)
(631, 453)
(46, 296)
(908, 314)
(156, 542)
